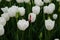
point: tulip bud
(32, 17)
(55, 16)
(36, 10)
(49, 24)
(22, 24)
(39, 2)
(21, 11)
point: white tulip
(1, 30)
(19, 1)
(26, 1)
(8, 0)
(5, 10)
(22, 24)
(32, 17)
(52, 6)
(2, 21)
(49, 9)
(39, 2)
(55, 16)
(21, 11)
(49, 24)
(47, 1)
(12, 11)
(45, 9)
(6, 16)
(36, 10)
(56, 39)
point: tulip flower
(49, 24)
(2, 21)
(22, 24)
(1, 30)
(36, 9)
(55, 16)
(32, 17)
(39, 2)
(19, 1)
(12, 11)
(5, 16)
(21, 11)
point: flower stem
(22, 35)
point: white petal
(32, 17)
(22, 24)
(12, 11)
(55, 16)
(6, 16)
(56, 39)
(49, 24)
(21, 10)
(2, 21)
(1, 30)
(5, 10)
(36, 10)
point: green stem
(22, 35)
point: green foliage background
(36, 30)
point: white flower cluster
(49, 9)
(10, 12)
(21, 1)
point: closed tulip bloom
(2, 21)
(21, 11)
(47, 1)
(5, 9)
(1, 30)
(45, 9)
(19, 1)
(49, 24)
(32, 17)
(39, 2)
(56, 39)
(26, 1)
(12, 11)
(36, 10)
(22, 24)
(8, 0)
(55, 16)
(6, 16)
